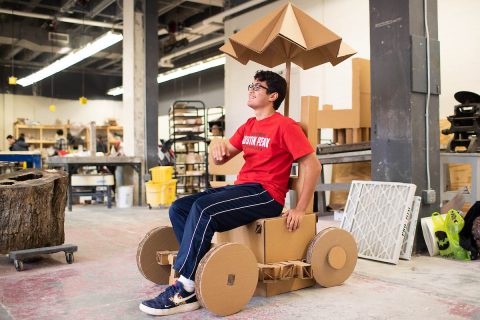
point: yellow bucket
(161, 193)
(162, 173)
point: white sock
(188, 284)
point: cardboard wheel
(158, 239)
(226, 278)
(333, 256)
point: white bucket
(124, 197)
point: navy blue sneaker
(175, 299)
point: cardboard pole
(287, 95)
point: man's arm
(309, 172)
(222, 151)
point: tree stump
(32, 209)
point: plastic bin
(161, 193)
(124, 197)
(162, 174)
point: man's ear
(273, 96)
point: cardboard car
(261, 258)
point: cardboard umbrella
(284, 36)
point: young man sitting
(270, 142)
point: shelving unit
(107, 134)
(41, 137)
(38, 136)
(188, 129)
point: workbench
(32, 158)
(334, 158)
(71, 164)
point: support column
(133, 79)
(151, 86)
(399, 93)
(140, 89)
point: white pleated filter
(376, 214)
(409, 234)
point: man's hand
(219, 149)
(294, 218)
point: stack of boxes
(161, 190)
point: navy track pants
(197, 217)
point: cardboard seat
(272, 243)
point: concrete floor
(104, 282)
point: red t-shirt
(270, 146)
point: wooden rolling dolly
(228, 274)
(19, 256)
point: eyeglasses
(256, 86)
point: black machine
(465, 123)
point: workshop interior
(112, 115)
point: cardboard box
(273, 288)
(360, 113)
(270, 240)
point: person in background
(10, 141)
(101, 147)
(74, 142)
(20, 144)
(117, 148)
(61, 142)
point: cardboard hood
(287, 35)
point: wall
(459, 29)
(206, 86)
(36, 108)
(459, 34)
(349, 19)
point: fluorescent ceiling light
(64, 50)
(115, 91)
(105, 41)
(181, 72)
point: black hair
(60, 132)
(9, 136)
(21, 137)
(275, 83)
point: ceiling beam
(31, 55)
(39, 65)
(99, 8)
(11, 52)
(67, 5)
(109, 63)
(63, 19)
(172, 5)
(215, 3)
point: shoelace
(170, 291)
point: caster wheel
(69, 257)
(18, 265)
(333, 256)
(226, 278)
(158, 239)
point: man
(10, 142)
(61, 142)
(270, 142)
(17, 145)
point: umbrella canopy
(284, 36)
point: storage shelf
(189, 138)
(187, 163)
(44, 135)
